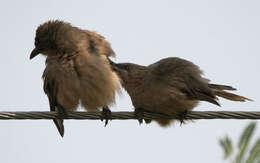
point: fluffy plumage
(77, 68)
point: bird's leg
(106, 114)
(139, 114)
(182, 116)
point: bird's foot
(183, 116)
(106, 115)
(139, 114)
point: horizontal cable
(131, 115)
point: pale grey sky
(222, 37)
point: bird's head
(129, 72)
(53, 37)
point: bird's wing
(184, 76)
(98, 44)
(50, 87)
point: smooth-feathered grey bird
(171, 85)
(77, 69)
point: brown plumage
(77, 69)
(170, 85)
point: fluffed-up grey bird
(171, 85)
(77, 69)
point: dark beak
(34, 53)
(111, 62)
(113, 65)
(120, 66)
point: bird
(77, 69)
(171, 85)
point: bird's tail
(219, 90)
(59, 125)
(221, 87)
(231, 96)
(59, 121)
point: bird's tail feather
(230, 96)
(60, 126)
(221, 87)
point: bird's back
(174, 67)
(180, 76)
(98, 44)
